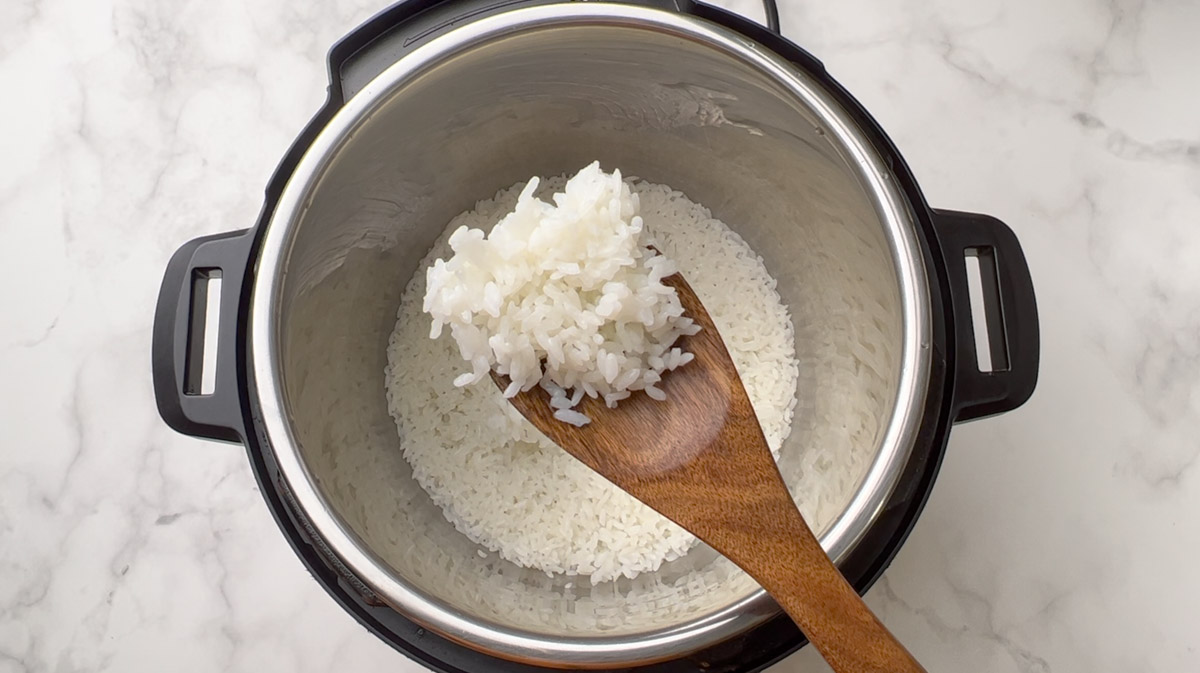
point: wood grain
(700, 459)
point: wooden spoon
(700, 459)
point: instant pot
(436, 104)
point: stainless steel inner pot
(544, 91)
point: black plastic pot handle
(1010, 313)
(178, 338)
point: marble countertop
(1061, 537)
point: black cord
(772, 15)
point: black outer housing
(957, 389)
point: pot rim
(839, 540)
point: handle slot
(200, 369)
(987, 314)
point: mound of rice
(508, 488)
(563, 294)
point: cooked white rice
(563, 294)
(501, 482)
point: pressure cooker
(436, 104)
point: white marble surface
(1062, 537)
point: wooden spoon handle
(828, 610)
(853, 640)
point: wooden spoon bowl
(700, 459)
